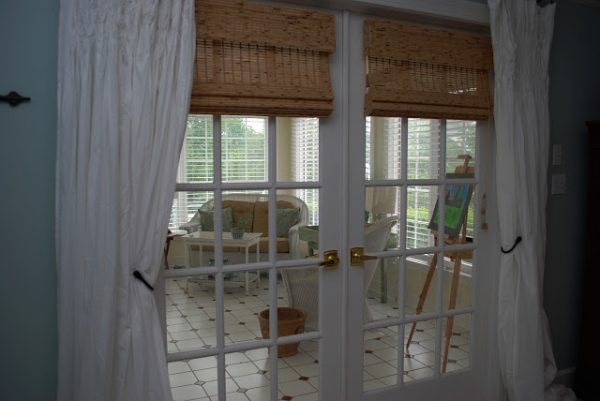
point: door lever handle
(358, 256)
(330, 260)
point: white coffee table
(207, 238)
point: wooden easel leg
(451, 305)
(422, 297)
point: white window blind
(305, 162)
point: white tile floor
(191, 325)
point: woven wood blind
(261, 59)
(416, 71)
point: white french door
(415, 328)
(357, 318)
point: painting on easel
(457, 199)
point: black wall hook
(14, 99)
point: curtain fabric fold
(124, 82)
(521, 39)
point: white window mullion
(440, 260)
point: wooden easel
(457, 256)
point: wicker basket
(289, 321)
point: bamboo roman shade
(416, 71)
(261, 59)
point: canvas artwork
(457, 199)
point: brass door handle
(358, 256)
(330, 260)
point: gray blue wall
(28, 49)
(574, 99)
(28, 338)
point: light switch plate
(559, 184)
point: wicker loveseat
(252, 209)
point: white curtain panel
(521, 38)
(124, 82)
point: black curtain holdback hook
(139, 276)
(512, 248)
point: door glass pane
(193, 379)
(246, 377)
(191, 313)
(242, 309)
(382, 290)
(184, 210)
(460, 140)
(421, 201)
(298, 374)
(196, 159)
(423, 148)
(297, 149)
(456, 354)
(458, 280)
(299, 295)
(244, 149)
(303, 236)
(246, 241)
(380, 363)
(419, 359)
(420, 284)
(383, 148)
